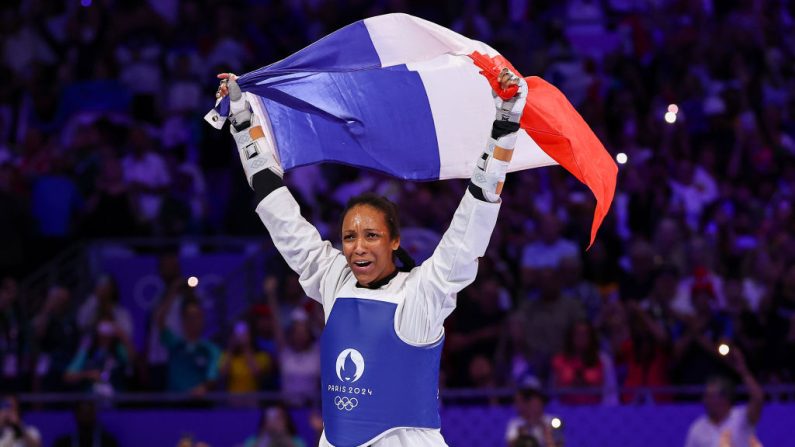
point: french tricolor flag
(406, 97)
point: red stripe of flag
(560, 131)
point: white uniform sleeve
(432, 287)
(319, 265)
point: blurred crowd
(692, 274)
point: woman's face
(367, 244)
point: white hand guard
(493, 164)
(256, 151)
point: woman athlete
(383, 338)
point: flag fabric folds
(404, 96)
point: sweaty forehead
(364, 216)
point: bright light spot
(723, 349)
(673, 108)
(555, 423)
(621, 158)
(85, 3)
(670, 117)
(193, 281)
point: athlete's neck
(378, 283)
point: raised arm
(297, 240)
(454, 263)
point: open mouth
(361, 267)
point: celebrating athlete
(383, 338)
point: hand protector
(492, 166)
(509, 108)
(256, 152)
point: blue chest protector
(372, 380)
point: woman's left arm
(454, 263)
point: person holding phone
(723, 422)
(532, 426)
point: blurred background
(126, 226)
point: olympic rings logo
(344, 403)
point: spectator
(580, 288)
(548, 250)
(511, 363)
(477, 324)
(88, 432)
(702, 275)
(276, 429)
(104, 301)
(14, 337)
(582, 365)
(647, 353)
(532, 426)
(57, 338)
(13, 431)
(747, 324)
(55, 202)
(242, 365)
(110, 210)
(192, 359)
(146, 174)
(637, 279)
(169, 302)
(696, 348)
(263, 335)
(104, 362)
(481, 376)
(299, 352)
(547, 319)
(692, 189)
(723, 424)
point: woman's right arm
(297, 240)
(300, 244)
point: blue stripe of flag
(378, 119)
